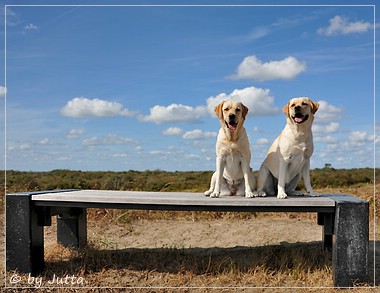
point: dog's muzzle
(299, 117)
(232, 125)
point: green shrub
(157, 180)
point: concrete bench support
(24, 235)
(72, 227)
(350, 243)
(345, 221)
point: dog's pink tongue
(231, 127)
(298, 120)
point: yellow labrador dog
(288, 158)
(233, 174)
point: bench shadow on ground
(215, 260)
(301, 256)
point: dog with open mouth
(288, 159)
(233, 175)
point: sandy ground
(203, 234)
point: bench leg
(350, 243)
(72, 228)
(327, 221)
(24, 235)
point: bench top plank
(183, 201)
(177, 198)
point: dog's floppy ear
(245, 110)
(286, 109)
(314, 106)
(219, 110)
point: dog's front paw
(261, 193)
(281, 195)
(296, 193)
(313, 193)
(215, 194)
(208, 192)
(250, 194)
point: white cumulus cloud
(81, 107)
(327, 119)
(110, 139)
(253, 68)
(325, 139)
(359, 137)
(25, 147)
(326, 128)
(74, 133)
(173, 131)
(262, 141)
(174, 113)
(199, 134)
(258, 101)
(31, 26)
(44, 141)
(340, 25)
(327, 112)
(3, 91)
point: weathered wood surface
(181, 198)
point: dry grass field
(156, 251)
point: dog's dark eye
(292, 105)
(238, 110)
(226, 109)
(304, 104)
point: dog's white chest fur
(294, 152)
(295, 155)
(233, 174)
(232, 154)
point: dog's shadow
(301, 256)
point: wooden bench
(344, 218)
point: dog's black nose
(231, 116)
(297, 108)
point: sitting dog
(288, 158)
(233, 175)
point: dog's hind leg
(265, 182)
(240, 189)
(306, 179)
(227, 189)
(292, 185)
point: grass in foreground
(266, 266)
(276, 267)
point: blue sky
(134, 87)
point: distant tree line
(157, 180)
